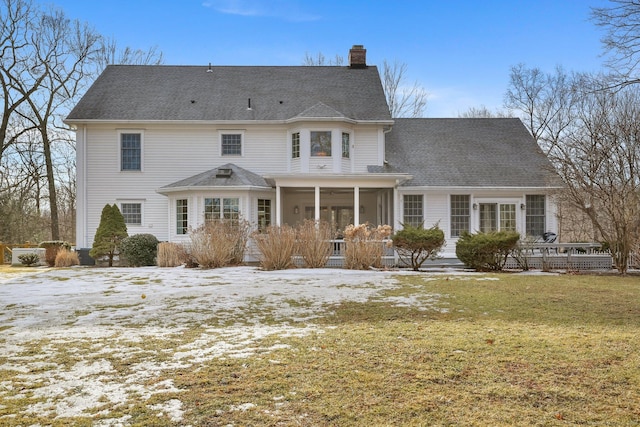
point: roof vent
(224, 173)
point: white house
(174, 146)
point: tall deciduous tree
(621, 23)
(591, 133)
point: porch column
(317, 204)
(356, 205)
(278, 207)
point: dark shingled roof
(461, 152)
(159, 92)
(239, 177)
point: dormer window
(321, 143)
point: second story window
(346, 145)
(295, 145)
(231, 144)
(321, 143)
(130, 152)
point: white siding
(174, 152)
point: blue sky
(460, 51)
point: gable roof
(460, 152)
(218, 177)
(160, 92)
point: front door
(497, 217)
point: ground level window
(413, 210)
(460, 214)
(218, 208)
(181, 216)
(535, 216)
(264, 214)
(497, 217)
(132, 213)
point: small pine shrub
(139, 250)
(170, 254)
(313, 243)
(277, 247)
(110, 233)
(486, 251)
(415, 245)
(51, 250)
(67, 258)
(29, 259)
(364, 246)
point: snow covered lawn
(88, 344)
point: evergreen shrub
(139, 250)
(486, 251)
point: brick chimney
(358, 56)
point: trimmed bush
(486, 251)
(67, 258)
(313, 243)
(415, 245)
(140, 250)
(52, 248)
(29, 259)
(364, 246)
(277, 246)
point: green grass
(496, 350)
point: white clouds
(288, 10)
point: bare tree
(591, 134)
(621, 23)
(109, 53)
(483, 112)
(404, 99)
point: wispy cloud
(288, 10)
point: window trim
(266, 213)
(528, 215)
(223, 132)
(122, 132)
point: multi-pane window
(321, 143)
(217, 208)
(264, 214)
(535, 217)
(459, 214)
(295, 145)
(508, 217)
(130, 152)
(181, 216)
(132, 213)
(231, 144)
(211, 209)
(345, 145)
(413, 208)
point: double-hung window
(535, 216)
(231, 144)
(413, 210)
(295, 145)
(264, 214)
(182, 218)
(346, 145)
(216, 208)
(460, 214)
(130, 151)
(132, 213)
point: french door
(497, 217)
